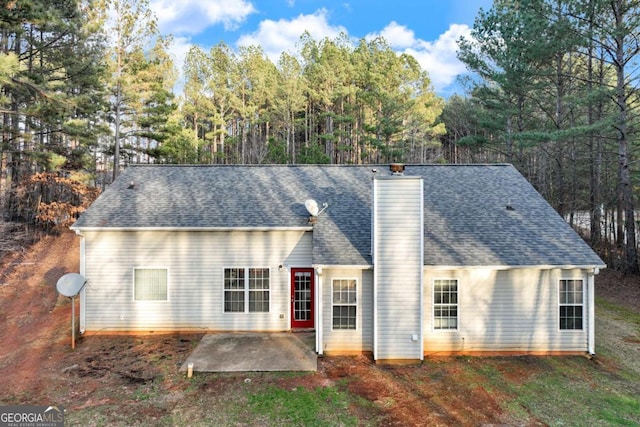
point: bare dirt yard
(134, 380)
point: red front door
(302, 298)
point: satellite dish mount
(70, 285)
(314, 210)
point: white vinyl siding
(349, 341)
(150, 284)
(398, 261)
(345, 307)
(195, 262)
(504, 310)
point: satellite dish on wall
(70, 284)
(312, 207)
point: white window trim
(357, 305)
(146, 301)
(433, 305)
(246, 291)
(558, 305)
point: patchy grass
(463, 391)
(319, 407)
(617, 410)
(618, 312)
(575, 391)
(556, 391)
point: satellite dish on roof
(312, 207)
(314, 210)
(70, 284)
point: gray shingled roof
(466, 219)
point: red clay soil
(38, 367)
(36, 322)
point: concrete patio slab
(252, 352)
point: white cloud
(279, 36)
(398, 36)
(193, 16)
(437, 57)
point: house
(426, 259)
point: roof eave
(344, 266)
(517, 267)
(472, 267)
(81, 229)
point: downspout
(374, 260)
(318, 310)
(591, 336)
(83, 291)
(421, 337)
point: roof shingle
(467, 222)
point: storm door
(302, 298)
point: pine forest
(89, 87)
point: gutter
(513, 267)
(319, 267)
(469, 267)
(83, 229)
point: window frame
(581, 304)
(434, 305)
(239, 290)
(354, 304)
(255, 290)
(247, 290)
(147, 301)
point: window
(150, 284)
(445, 304)
(258, 289)
(246, 290)
(571, 294)
(234, 290)
(344, 304)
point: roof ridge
(303, 165)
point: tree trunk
(509, 140)
(624, 175)
(116, 151)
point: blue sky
(426, 29)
